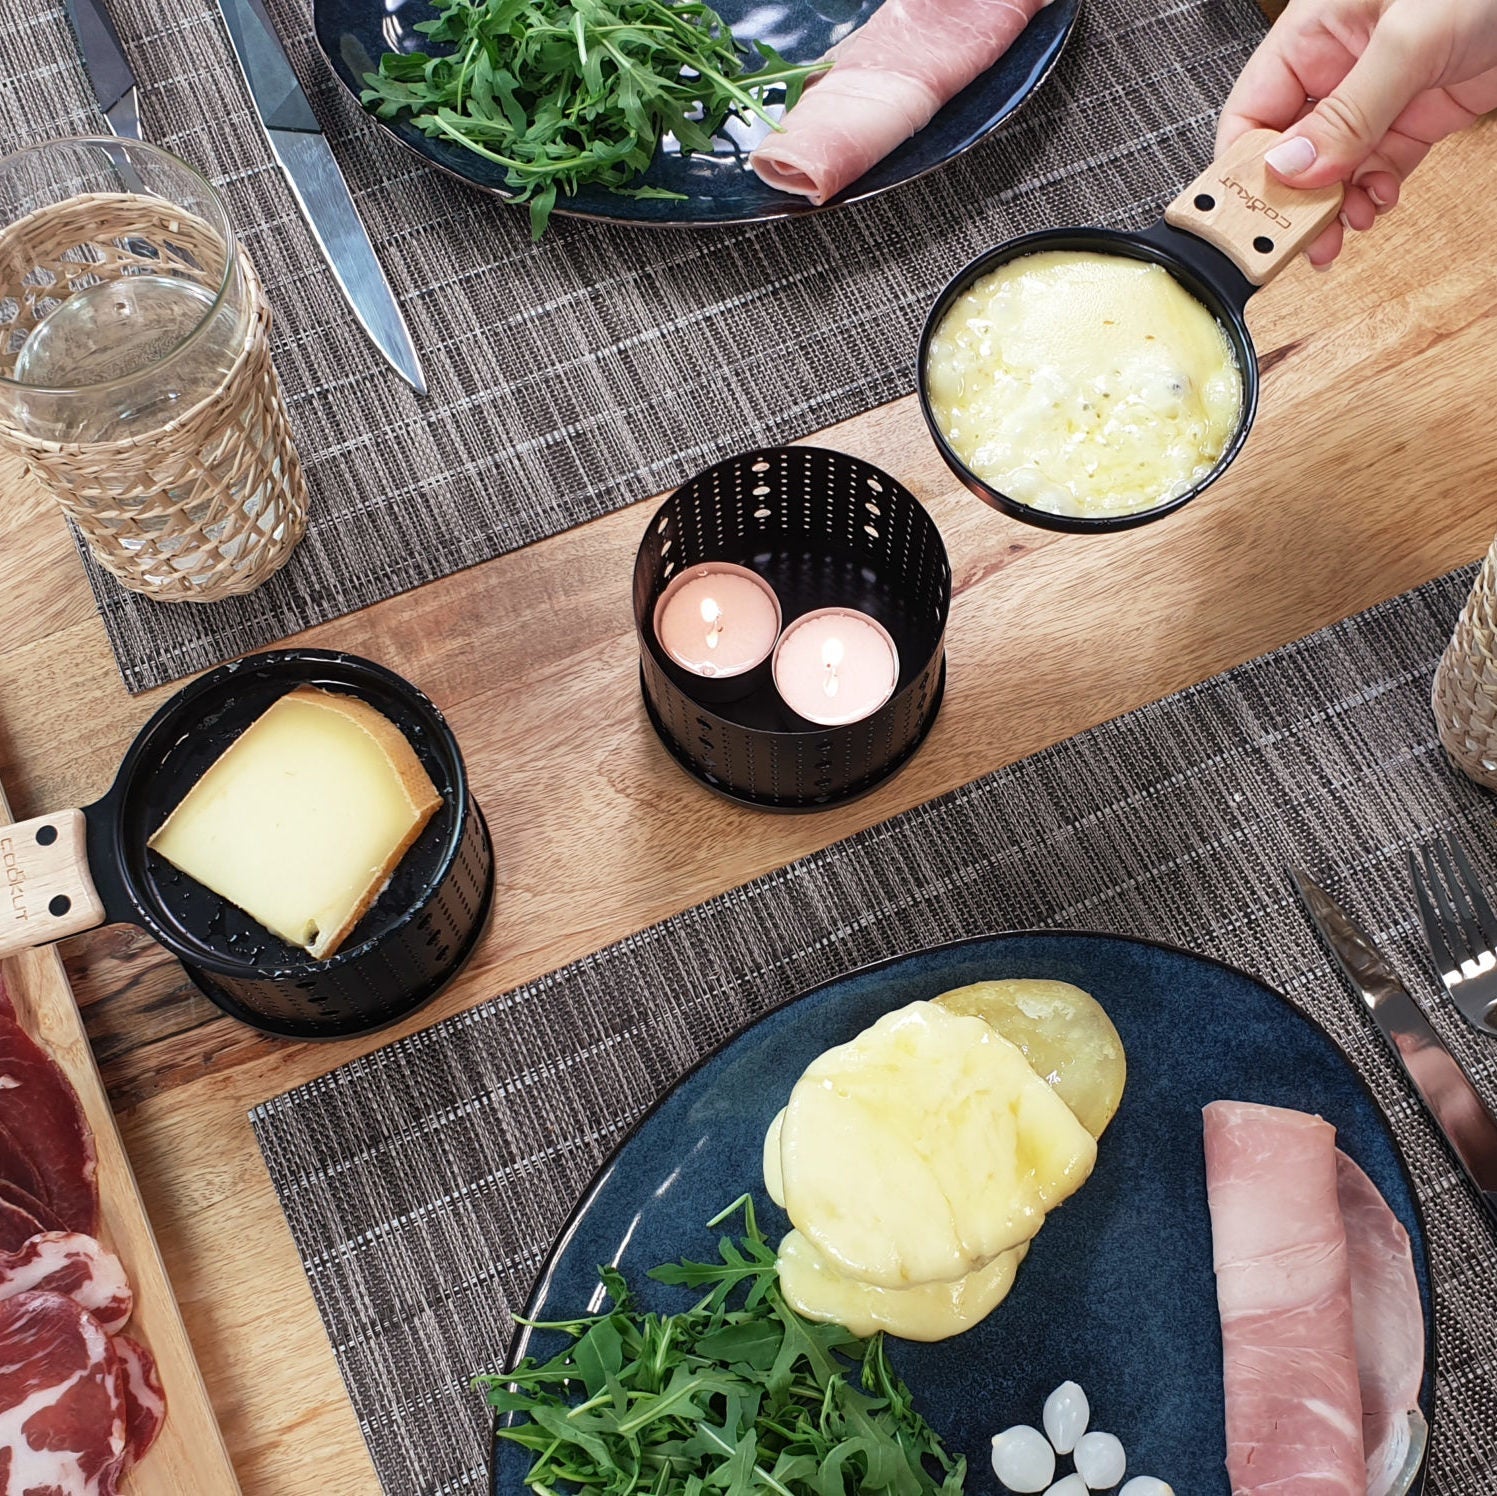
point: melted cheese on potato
(774, 1176)
(924, 1147)
(1064, 1033)
(927, 1311)
(1083, 383)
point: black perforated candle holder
(824, 530)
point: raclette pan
(73, 870)
(1228, 234)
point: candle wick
(831, 656)
(712, 616)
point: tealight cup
(835, 666)
(717, 623)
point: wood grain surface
(189, 1455)
(1372, 468)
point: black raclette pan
(79, 868)
(1228, 234)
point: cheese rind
(303, 818)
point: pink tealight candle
(717, 619)
(836, 666)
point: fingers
(1326, 247)
(1334, 141)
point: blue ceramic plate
(719, 188)
(1118, 1292)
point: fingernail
(1378, 199)
(1290, 157)
(1318, 265)
(1345, 221)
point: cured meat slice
(62, 1399)
(13, 1194)
(45, 1144)
(1283, 1286)
(1388, 1315)
(888, 78)
(17, 1226)
(145, 1399)
(68, 1263)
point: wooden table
(1373, 468)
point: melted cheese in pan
(1083, 383)
(923, 1148)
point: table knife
(109, 72)
(1443, 1086)
(308, 164)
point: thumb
(1348, 125)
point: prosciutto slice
(888, 78)
(62, 1400)
(1388, 1316)
(1283, 1283)
(65, 1262)
(46, 1147)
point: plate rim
(518, 1340)
(794, 205)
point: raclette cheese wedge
(926, 1311)
(924, 1147)
(302, 819)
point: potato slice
(1063, 1032)
(928, 1311)
(924, 1147)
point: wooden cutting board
(189, 1457)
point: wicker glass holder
(176, 463)
(825, 530)
(1465, 693)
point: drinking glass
(135, 374)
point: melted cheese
(303, 818)
(774, 1176)
(1085, 384)
(928, 1311)
(924, 1147)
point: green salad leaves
(563, 93)
(735, 1396)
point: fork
(1460, 928)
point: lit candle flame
(832, 655)
(712, 616)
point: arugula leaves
(567, 92)
(735, 1396)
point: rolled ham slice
(1283, 1283)
(888, 78)
(1388, 1316)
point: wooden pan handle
(48, 891)
(1248, 214)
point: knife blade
(311, 170)
(109, 72)
(1443, 1086)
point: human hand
(1363, 89)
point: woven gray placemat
(606, 364)
(424, 1183)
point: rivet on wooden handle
(48, 891)
(1252, 217)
